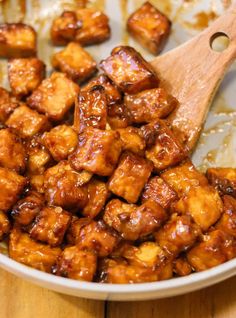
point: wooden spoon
(192, 73)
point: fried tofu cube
(132, 140)
(178, 234)
(64, 186)
(150, 27)
(223, 179)
(150, 105)
(55, 96)
(133, 222)
(50, 225)
(95, 27)
(91, 109)
(98, 151)
(61, 141)
(97, 196)
(64, 28)
(76, 264)
(74, 229)
(163, 148)
(129, 71)
(26, 251)
(4, 225)
(26, 209)
(17, 40)
(118, 116)
(12, 151)
(215, 248)
(27, 122)
(181, 266)
(7, 105)
(11, 185)
(25, 75)
(159, 191)
(130, 177)
(227, 222)
(203, 204)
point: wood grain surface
(20, 299)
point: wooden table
(20, 299)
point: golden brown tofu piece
(64, 186)
(27, 122)
(203, 204)
(74, 229)
(76, 264)
(163, 148)
(215, 248)
(50, 225)
(7, 105)
(26, 209)
(17, 40)
(183, 177)
(130, 177)
(150, 27)
(227, 222)
(64, 28)
(223, 179)
(150, 105)
(132, 140)
(91, 109)
(118, 116)
(77, 63)
(4, 225)
(159, 191)
(11, 185)
(113, 94)
(128, 70)
(97, 196)
(178, 234)
(26, 251)
(61, 141)
(95, 27)
(132, 221)
(55, 96)
(181, 266)
(98, 151)
(25, 75)
(12, 151)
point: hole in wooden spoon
(219, 42)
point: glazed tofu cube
(128, 70)
(150, 105)
(11, 185)
(26, 251)
(227, 222)
(118, 116)
(130, 177)
(12, 151)
(97, 196)
(64, 187)
(216, 248)
(91, 109)
(4, 225)
(55, 96)
(64, 28)
(74, 229)
(163, 148)
(50, 225)
(150, 27)
(27, 122)
(61, 141)
(95, 27)
(17, 40)
(181, 266)
(158, 190)
(7, 105)
(178, 234)
(98, 151)
(26, 209)
(223, 179)
(112, 92)
(203, 204)
(25, 75)
(76, 264)
(132, 140)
